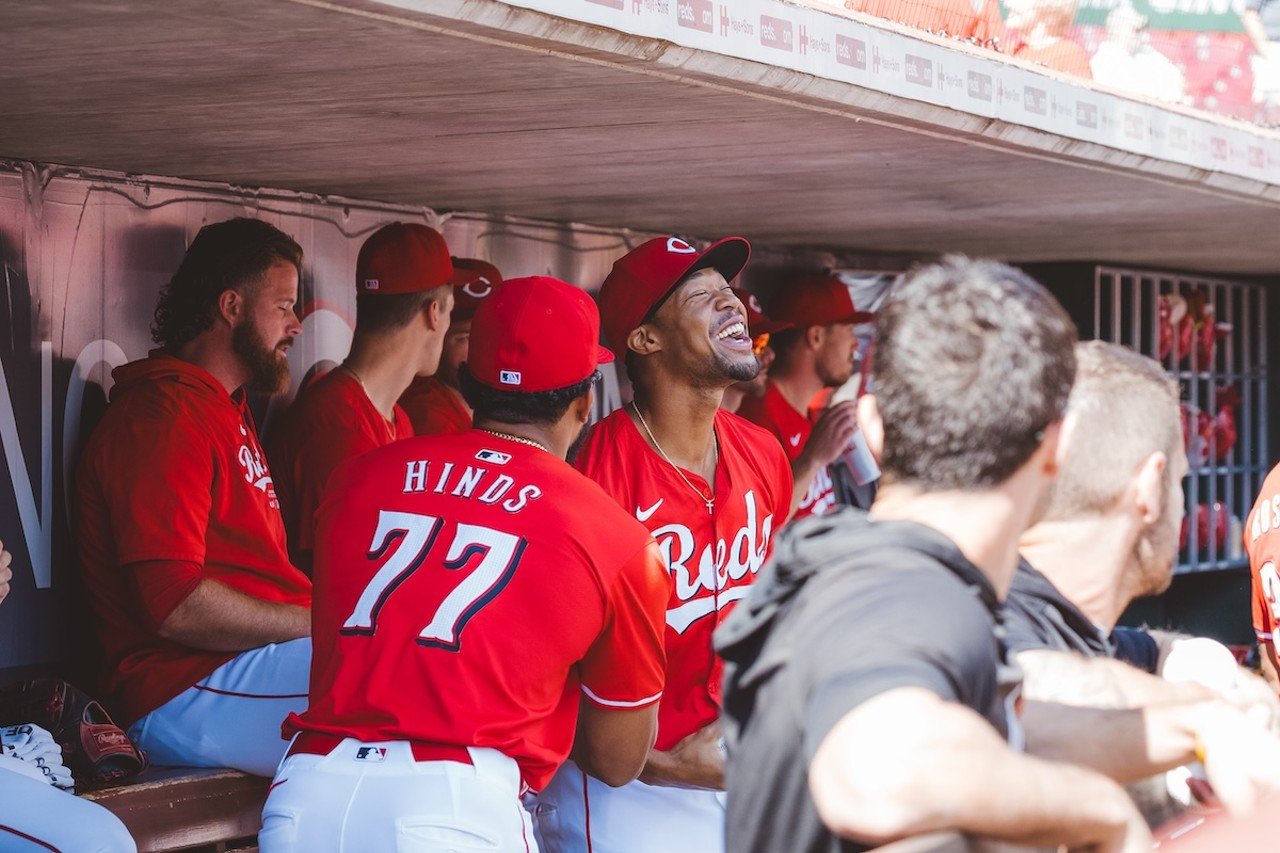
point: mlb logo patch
(493, 456)
(371, 753)
(372, 284)
(509, 377)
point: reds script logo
(256, 474)
(701, 586)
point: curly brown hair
(223, 256)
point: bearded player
(712, 489)
(469, 613)
(817, 352)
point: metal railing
(1210, 334)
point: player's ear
(1058, 437)
(584, 405)
(870, 423)
(232, 306)
(814, 336)
(642, 340)
(1149, 486)
(438, 307)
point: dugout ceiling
(478, 105)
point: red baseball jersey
(1262, 542)
(331, 421)
(434, 408)
(712, 558)
(792, 428)
(469, 591)
(174, 472)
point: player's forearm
(1071, 679)
(695, 762)
(1125, 744)
(871, 784)
(803, 469)
(217, 618)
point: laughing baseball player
(713, 489)
(469, 614)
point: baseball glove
(93, 747)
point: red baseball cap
(643, 278)
(535, 334)
(758, 323)
(403, 257)
(473, 279)
(816, 300)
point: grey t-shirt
(847, 609)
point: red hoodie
(173, 473)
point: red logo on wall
(851, 52)
(696, 15)
(776, 33)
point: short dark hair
(223, 256)
(974, 359)
(515, 407)
(377, 313)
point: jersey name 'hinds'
(470, 481)
(703, 586)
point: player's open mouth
(734, 333)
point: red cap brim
(604, 355)
(727, 256)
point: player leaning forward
(476, 598)
(713, 489)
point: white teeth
(732, 331)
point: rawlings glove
(93, 746)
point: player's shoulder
(1264, 518)
(162, 414)
(750, 437)
(327, 399)
(600, 449)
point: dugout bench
(186, 808)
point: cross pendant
(710, 507)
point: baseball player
(35, 806)
(204, 623)
(1262, 543)
(713, 490)
(435, 403)
(760, 328)
(476, 600)
(403, 299)
(817, 352)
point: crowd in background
(1223, 58)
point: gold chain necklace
(519, 439)
(710, 500)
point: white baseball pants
(232, 718)
(375, 796)
(578, 813)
